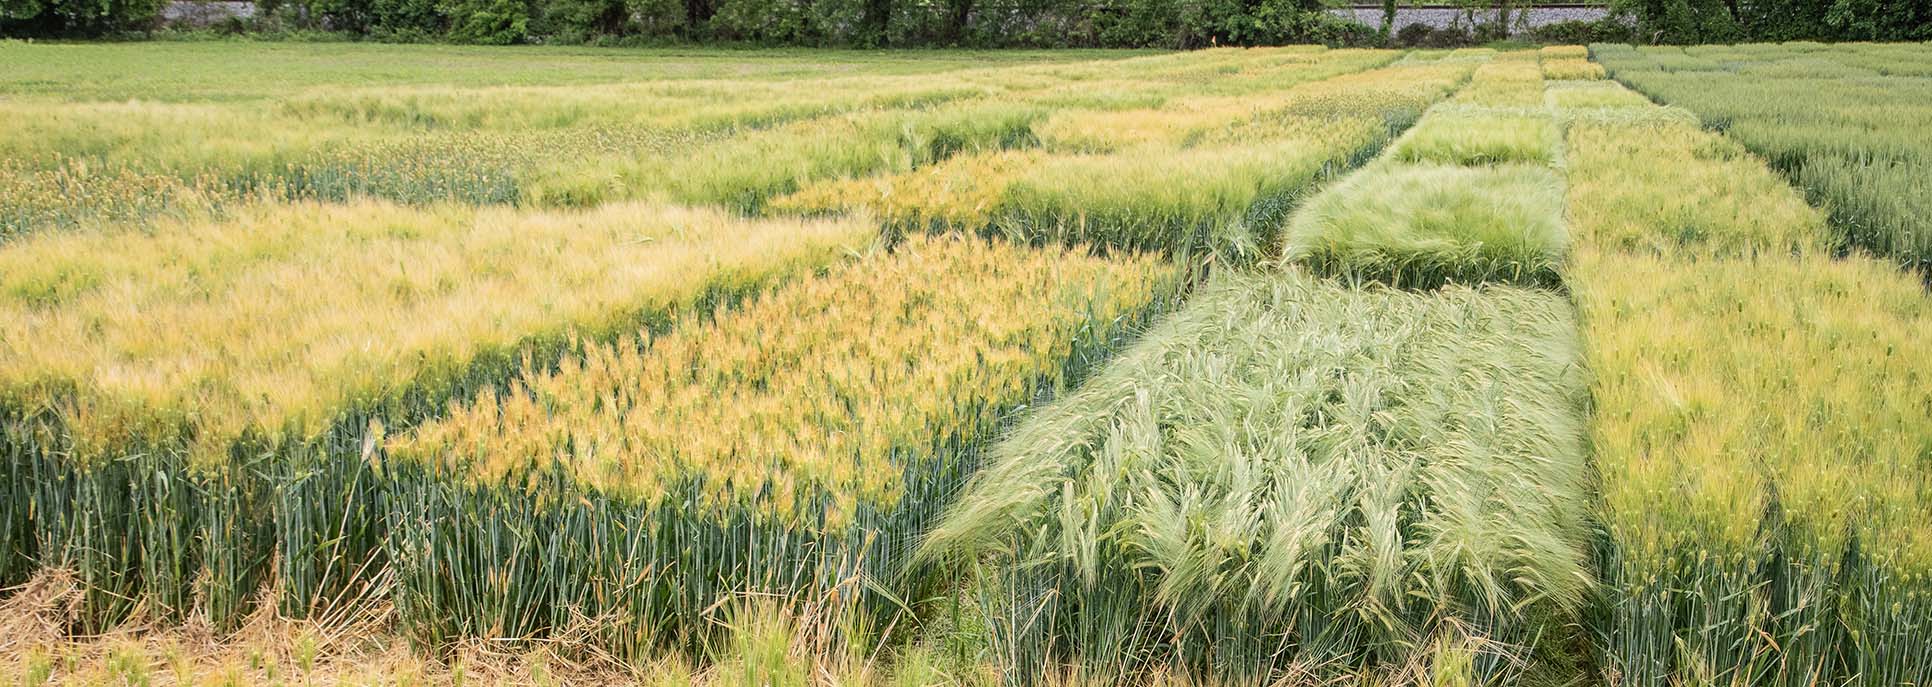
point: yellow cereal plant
(1760, 417)
(965, 192)
(153, 372)
(787, 446)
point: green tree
(76, 17)
(487, 22)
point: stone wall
(1445, 17)
(205, 12)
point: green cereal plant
(1293, 477)
(1206, 200)
(1882, 205)
(1462, 135)
(1211, 176)
(1758, 425)
(1572, 69)
(417, 144)
(1216, 198)
(1626, 189)
(1504, 83)
(1427, 225)
(741, 173)
(1835, 120)
(1580, 95)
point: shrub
(487, 22)
(57, 18)
(1578, 32)
(1425, 36)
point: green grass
(246, 70)
(1296, 475)
(1428, 225)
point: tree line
(984, 23)
(1745, 21)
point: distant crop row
(78, 163)
(1836, 120)
(1106, 177)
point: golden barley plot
(143, 363)
(791, 445)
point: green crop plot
(1838, 121)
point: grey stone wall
(1445, 17)
(205, 12)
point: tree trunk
(696, 13)
(956, 22)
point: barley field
(406, 365)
